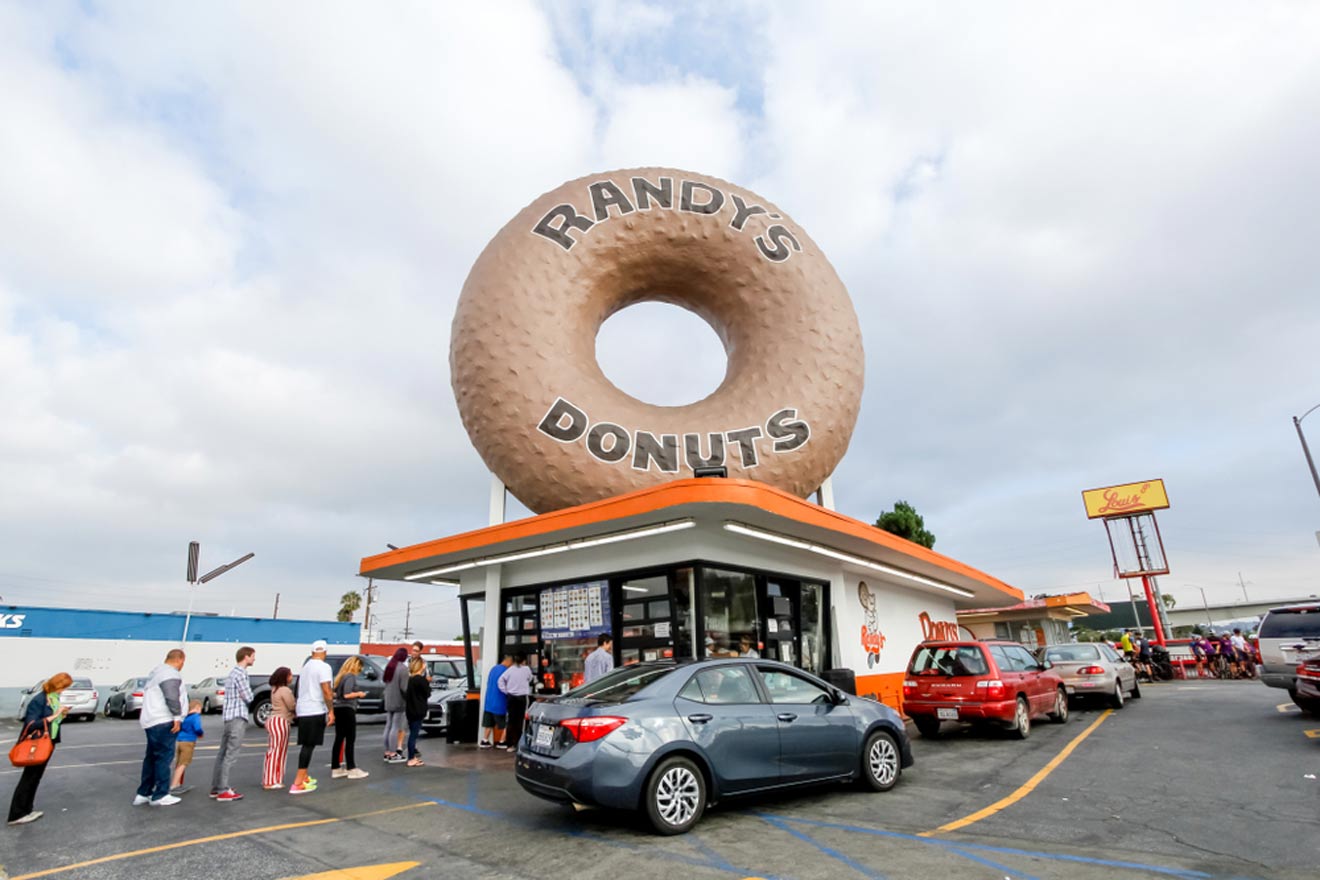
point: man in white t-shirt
(315, 710)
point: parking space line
(1026, 788)
(1285, 708)
(1314, 733)
(832, 853)
(213, 838)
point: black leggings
(25, 794)
(345, 737)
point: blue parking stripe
(832, 853)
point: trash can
(843, 679)
(463, 718)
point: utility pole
(366, 620)
(1243, 585)
(1310, 462)
(407, 619)
(276, 614)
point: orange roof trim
(673, 494)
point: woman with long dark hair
(396, 687)
(42, 710)
(282, 708)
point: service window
(784, 687)
(722, 685)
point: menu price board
(575, 610)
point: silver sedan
(1094, 668)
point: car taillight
(219, 692)
(1091, 670)
(909, 688)
(137, 694)
(586, 730)
(95, 695)
(994, 688)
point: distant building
(109, 647)
(1035, 623)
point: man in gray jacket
(163, 707)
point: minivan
(1288, 636)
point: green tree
(905, 522)
(1169, 601)
(349, 603)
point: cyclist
(1125, 645)
(1246, 668)
(1198, 654)
(1143, 657)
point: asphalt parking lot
(1196, 780)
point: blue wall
(71, 623)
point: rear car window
(1299, 623)
(81, 684)
(621, 684)
(1072, 653)
(722, 685)
(952, 660)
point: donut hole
(661, 354)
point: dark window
(726, 685)
(955, 660)
(784, 687)
(1303, 623)
(1072, 653)
(619, 685)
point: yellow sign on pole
(1125, 499)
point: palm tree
(349, 603)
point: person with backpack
(43, 709)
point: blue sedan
(673, 738)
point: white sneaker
(141, 800)
(338, 773)
(355, 773)
(23, 820)
(168, 800)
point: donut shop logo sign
(610, 443)
(564, 224)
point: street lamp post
(1204, 604)
(1306, 450)
(194, 555)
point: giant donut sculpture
(557, 432)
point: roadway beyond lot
(1196, 780)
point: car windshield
(81, 684)
(1072, 653)
(951, 660)
(619, 685)
(1294, 623)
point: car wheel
(123, 711)
(106, 709)
(261, 713)
(881, 764)
(206, 706)
(927, 726)
(1116, 698)
(1022, 719)
(1136, 690)
(90, 716)
(1060, 713)
(675, 796)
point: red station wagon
(997, 682)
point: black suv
(371, 679)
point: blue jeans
(156, 762)
(414, 730)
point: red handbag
(33, 748)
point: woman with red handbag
(44, 713)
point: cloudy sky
(1083, 244)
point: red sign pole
(1154, 611)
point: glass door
(781, 630)
(646, 629)
(522, 631)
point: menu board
(575, 610)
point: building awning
(745, 508)
(1064, 607)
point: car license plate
(545, 734)
(947, 714)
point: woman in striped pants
(282, 707)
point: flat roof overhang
(1065, 607)
(744, 508)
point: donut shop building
(692, 568)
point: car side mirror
(371, 675)
(1045, 664)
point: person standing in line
(161, 718)
(601, 660)
(44, 710)
(495, 714)
(184, 746)
(516, 683)
(396, 722)
(418, 696)
(316, 711)
(346, 700)
(283, 709)
(415, 651)
(238, 694)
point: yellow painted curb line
(1026, 788)
(366, 872)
